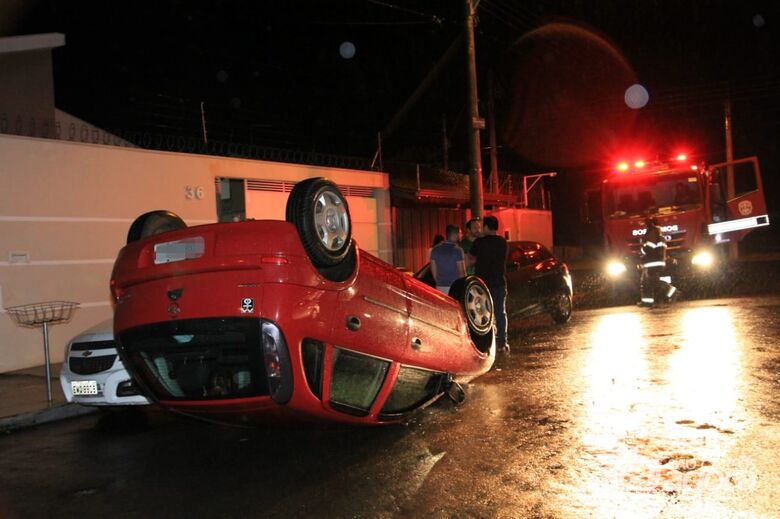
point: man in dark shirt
(489, 254)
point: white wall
(526, 224)
(364, 213)
(65, 209)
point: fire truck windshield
(636, 195)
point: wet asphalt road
(624, 412)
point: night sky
(270, 73)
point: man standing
(652, 284)
(489, 255)
(448, 262)
(473, 231)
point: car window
(412, 388)
(425, 275)
(526, 254)
(534, 255)
(515, 255)
(356, 381)
(198, 360)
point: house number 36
(193, 192)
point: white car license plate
(84, 387)
(179, 250)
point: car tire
(562, 307)
(477, 304)
(152, 223)
(321, 215)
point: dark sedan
(539, 283)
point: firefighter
(654, 285)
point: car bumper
(308, 385)
(107, 381)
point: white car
(93, 373)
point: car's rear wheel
(562, 307)
(154, 222)
(321, 215)
(474, 297)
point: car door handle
(353, 323)
(416, 343)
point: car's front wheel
(477, 305)
(562, 307)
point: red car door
(372, 315)
(438, 334)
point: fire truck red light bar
(738, 225)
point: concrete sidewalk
(23, 400)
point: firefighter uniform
(654, 285)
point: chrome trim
(373, 301)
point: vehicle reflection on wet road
(624, 412)
(664, 404)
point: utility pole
(492, 136)
(475, 124)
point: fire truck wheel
(154, 222)
(477, 305)
(561, 312)
(321, 215)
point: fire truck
(700, 209)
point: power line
(430, 17)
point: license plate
(84, 387)
(179, 250)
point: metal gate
(414, 229)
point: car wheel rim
(331, 220)
(479, 306)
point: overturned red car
(267, 319)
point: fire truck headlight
(615, 268)
(703, 259)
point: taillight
(276, 359)
(273, 363)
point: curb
(53, 414)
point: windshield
(635, 196)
